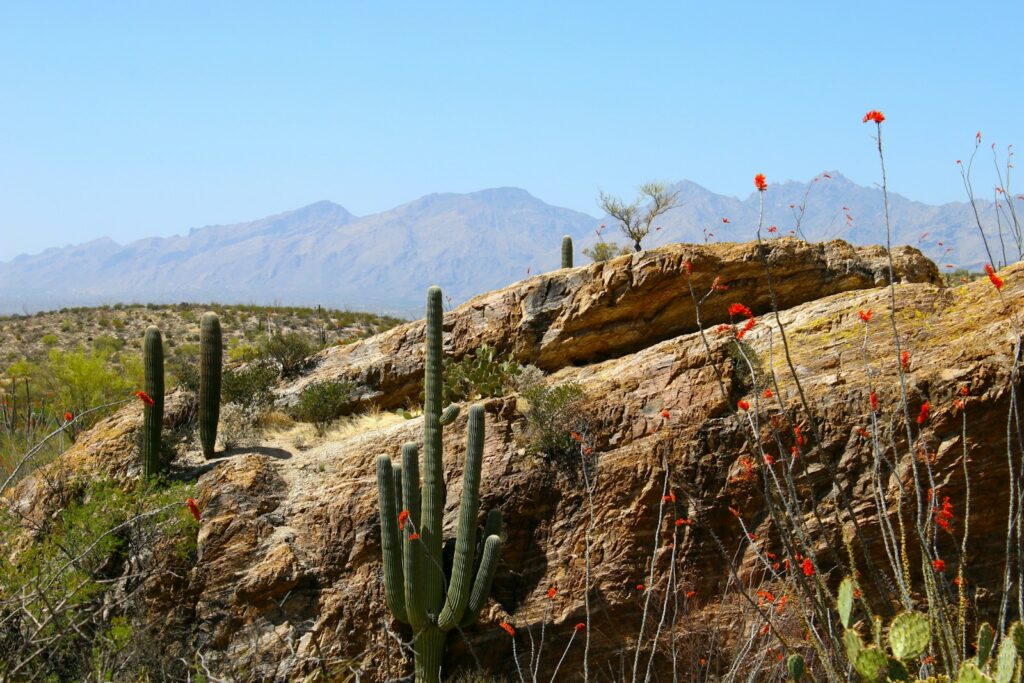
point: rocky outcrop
(607, 309)
(288, 565)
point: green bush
(250, 386)
(744, 357)
(553, 414)
(61, 581)
(484, 374)
(603, 251)
(289, 350)
(323, 402)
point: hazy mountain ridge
(467, 243)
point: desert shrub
(183, 367)
(107, 344)
(483, 374)
(553, 413)
(243, 352)
(289, 350)
(53, 592)
(323, 402)
(82, 379)
(602, 251)
(744, 357)
(250, 385)
(49, 339)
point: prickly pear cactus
(872, 664)
(844, 602)
(970, 673)
(795, 666)
(1006, 661)
(986, 636)
(909, 635)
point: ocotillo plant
(210, 355)
(411, 531)
(153, 412)
(567, 252)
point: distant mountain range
(467, 243)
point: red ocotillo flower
(551, 592)
(740, 309)
(874, 115)
(145, 398)
(767, 393)
(922, 417)
(68, 416)
(413, 536)
(192, 507)
(874, 400)
(905, 360)
(507, 628)
(688, 266)
(944, 515)
(742, 405)
(403, 517)
(665, 414)
(865, 315)
(939, 565)
(580, 626)
(995, 279)
(760, 182)
(807, 567)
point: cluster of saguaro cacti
(567, 252)
(411, 518)
(153, 412)
(211, 353)
(909, 638)
(210, 357)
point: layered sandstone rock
(607, 309)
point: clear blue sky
(142, 118)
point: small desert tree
(634, 222)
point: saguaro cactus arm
(465, 540)
(413, 546)
(391, 540)
(484, 577)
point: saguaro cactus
(210, 357)
(153, 415)
(411, 532)
(567, 252)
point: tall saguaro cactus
(153, 415)
(567, 252)
(411, 531)
(210, 360)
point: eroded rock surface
(607, 309)
(288, 570)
